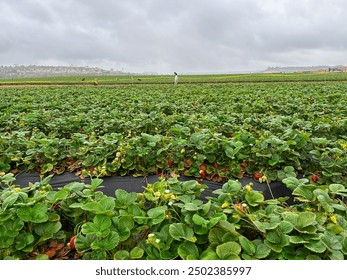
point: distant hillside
(293, 69)
(32, 71)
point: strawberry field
(292, 132)
(226, 130)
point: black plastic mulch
(137, 184)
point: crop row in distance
(185, 79)
(226, 130)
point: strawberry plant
(293, 125)
(27, 221)
(169, 220)
(293, 132)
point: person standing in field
(175, 78)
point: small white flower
(150, 235)
(167, 191)
(157, 240)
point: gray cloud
(167, 36)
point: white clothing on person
(176, 78)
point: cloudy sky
(187, 36)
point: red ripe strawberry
(216, 166)
(202, 173)
(72, 242)
(38, 169)
(170, 162)
(257, 176)
(314, 178)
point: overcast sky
(186, 36)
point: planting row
(207, 131)
(168, 79)
(170, 221)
